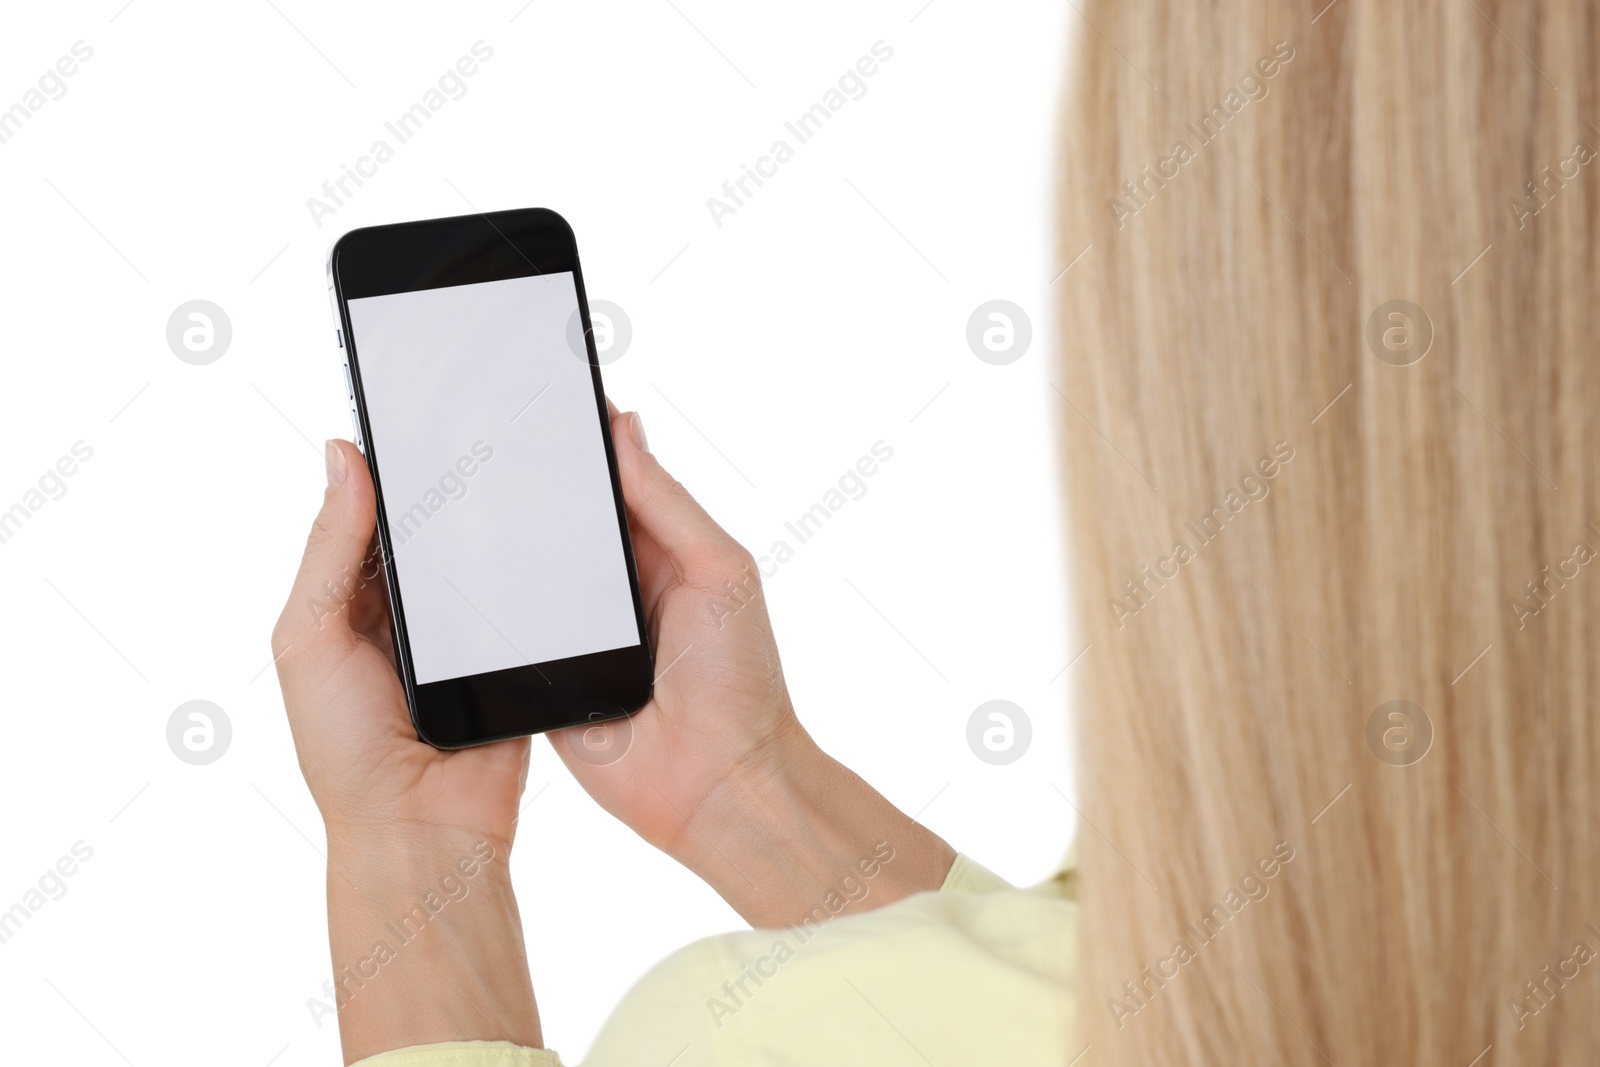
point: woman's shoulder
(979, 968)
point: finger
(369, 609)
(700, 551)
(656, 573)
(318, 617)
(655, 569)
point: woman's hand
(426, 938)
(720, 711)
(716, 770)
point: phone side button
(349, 385)
(355, 430)
(338, 336)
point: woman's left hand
(418, 839)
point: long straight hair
(1332, 442)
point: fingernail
(335, 459)
(636, 428)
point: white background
(767, 356)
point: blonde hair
(1331, 443)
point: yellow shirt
(979, 972)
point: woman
(1333, 489)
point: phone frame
(461, 250)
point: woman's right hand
(716, 770)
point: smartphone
(475, 394)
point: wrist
(798, 831)
(426, 941)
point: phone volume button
(349, 383)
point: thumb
(700, 551)
(335, 565)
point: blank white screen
(488, 442)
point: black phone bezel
(516, 701)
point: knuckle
(725, 561)
(322, 529)
(742, 562)
(669, 494)
(284, 633)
